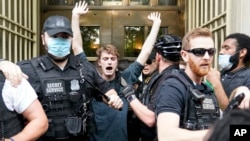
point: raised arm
(79, 9)
(148, 44)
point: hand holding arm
(114, 100)
(128, 91)
(12, 72)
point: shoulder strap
(174, 74)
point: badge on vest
(74, 85)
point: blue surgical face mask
(59, 47)
(224, 62)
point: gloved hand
(128, 91)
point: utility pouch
(74, 96)
(73, 125)
(51, 131)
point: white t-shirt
(18, 98)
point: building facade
(123, 23)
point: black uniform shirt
(70, 68)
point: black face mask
(58, 59)
(234, 59)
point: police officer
(63, 82)
(184, 105)
(167, 46)
(17, 103)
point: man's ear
(243, 52)
(157, 57)
(184, 56)
(43, 39)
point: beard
(197, 70)
(58, 59)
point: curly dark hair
(243, 41)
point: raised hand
(155, 17)
(80, 8)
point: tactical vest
(201, 107)
(64, 101)
(11, 122)
(146, 93)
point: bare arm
(214, 78)
(143, 113)
(79, 9)
(37, 123)
(148, 44)
(12, 72)
(168, 129)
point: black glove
(128, 91)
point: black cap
(57, 24)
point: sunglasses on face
(149, 61)
(202, 51)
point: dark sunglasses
(149, 61)
(202, 51)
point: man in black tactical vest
(20, 111)
(185, 106)
(168, 46)
(59, 78)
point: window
(134, 38)
(139, 2)
(167, 2)
(111, 2)
(91, 39)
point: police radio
(197, 95)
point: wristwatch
(130, 98)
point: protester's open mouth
(109, 68)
